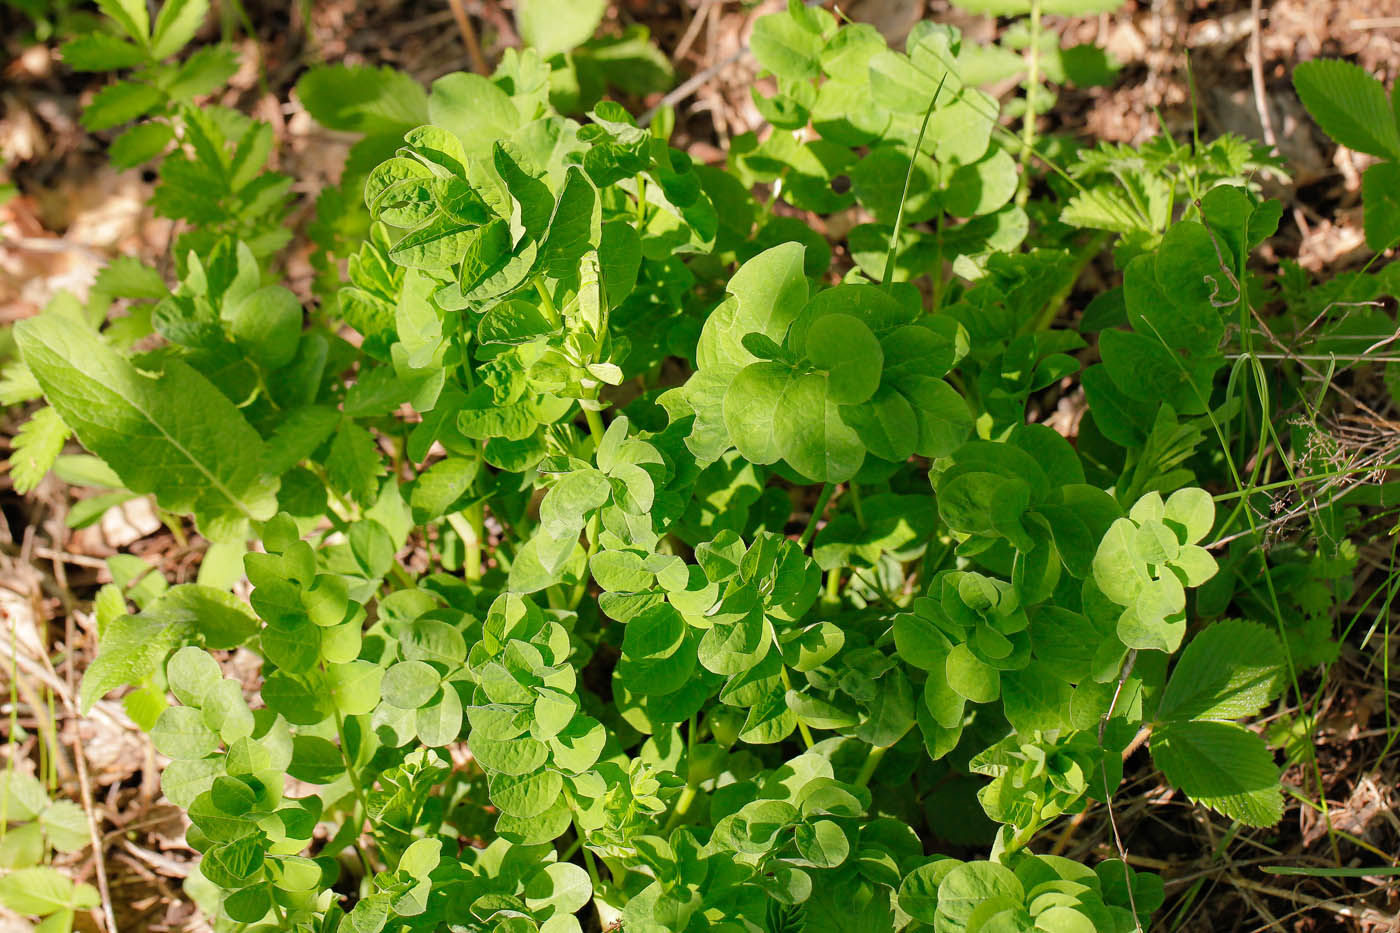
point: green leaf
(1193, 510)
(554, 26)
(440, 723)
(982, 187)
(66, 826)
(918, 892)
(1350, 106)
(1230, 670)
(526, 796)
(751, 409)
(1118, 570)
(140, 143)
(267, 324)
(354, 464)
(437, 245)
(363, 99)
(1222, 765)
(971, 884)
(971, 677)
(518, 756)
(39, 891)
(130, 15)
(176, 25)
(410, 684)
(787, 47)
(35, 447)
(191, 672)
(354, 686)
(814, 439)
(97, 51)
(118, 103)
(562, 887)
(821, 844)
(181, 733)
(203, 73)
(770, 290)
(175, 436)
(848, 352)
(441, 489)
(1380, 191)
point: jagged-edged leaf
(1231, 669)
(1350, 106)
(35, 447)
(1222, 765)
(174, 435)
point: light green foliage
(32, 827)
(588, 517)
(1351, 107)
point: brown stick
(464, 25)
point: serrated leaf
(35, 447)
(130, 15)
(176, 25)
(175, 436)
(1222, 765)
(119, 103)
(38, 891)
(1350, 106)
(1380, 192)
(98, 51)
(1230, 670)
(354, 464)
(140, 143)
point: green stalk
(1028, 121)
(546, 302)
(817, 510)
(468, 525)
(801, 726)
(362, 800)
(688, 792)
(908, 177)
(872, 761)
(581, 588)
(595, 425)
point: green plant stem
(581, 587)
(591, 866)
(1023, 193)
(1023, 838)
(801, 726)
(595, 425)
(546, 302)
(641, 201)
(854, 491)
(688, 793)
(1082, 258)
(683, 802)
(908, 177)
(468, 525)
(362, 800)
(872, 761)
(833, 586)
(811, 530)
